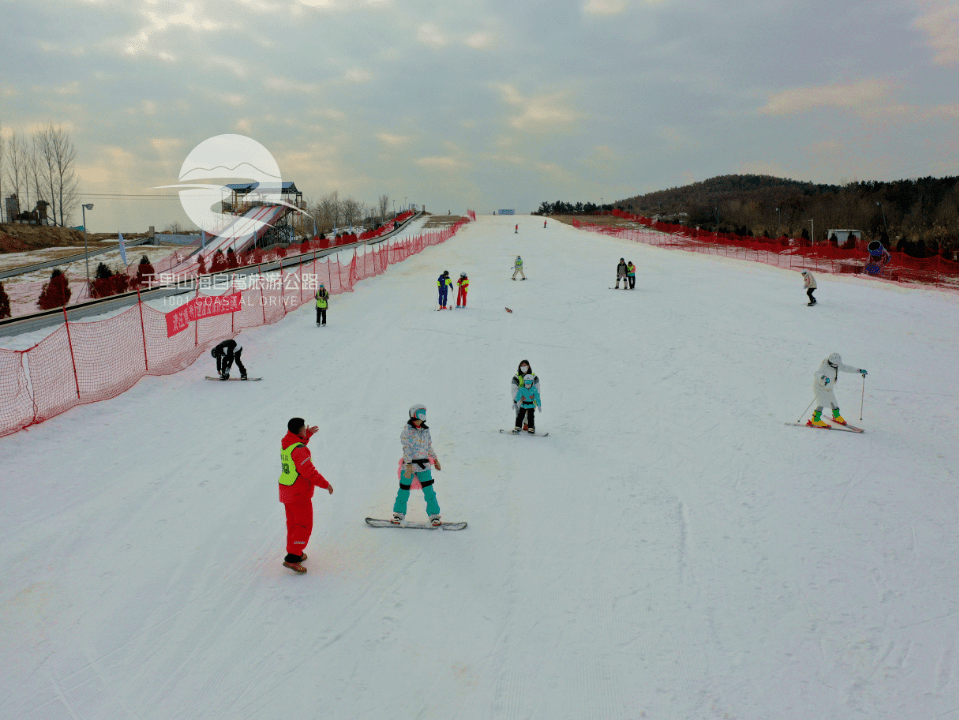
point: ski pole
(863, 398)
(806, 410)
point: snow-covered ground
(671, 550)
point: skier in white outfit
(824, 383)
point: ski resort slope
(672, 550)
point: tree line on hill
(919, 217)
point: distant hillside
(921, 213)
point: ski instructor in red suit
(298, 477)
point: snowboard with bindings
(844, 428)
(376, 522)
(219, 379)
(522, 432)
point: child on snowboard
(809, 282)
(824, 383)
(298, 477)
(528, 400)
(418, 455)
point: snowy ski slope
(671, 550)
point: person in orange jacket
(298, 477)
(464, 284)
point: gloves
(437, 463)
(864, 373)
(539, 408)
(408, 470)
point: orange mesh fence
(790, 253)
(85, 362)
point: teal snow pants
(403, 495)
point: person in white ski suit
(824, 384)
(809, 282)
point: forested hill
(922, 213)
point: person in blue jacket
(528, 401)
(444, 284)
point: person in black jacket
(226, 353)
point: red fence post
(143, 332)
(66, 323)
(259, 272)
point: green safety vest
(321, 301)
(519, 262)
(288, 473)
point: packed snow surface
(672, 550)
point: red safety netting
(85, 362)
(792, 253)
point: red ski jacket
(308, 478)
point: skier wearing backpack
(824, 384)
(528, 400)
(418, 456)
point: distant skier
(621, 274)
(824, 384)
(464, 284)
(544, 223)
(518, 267)
(516, 231)
(528, 400)
(809, 282)
(631, 275)
(418, 456)
(444, 284)
(298, 477)
(225, 354)
(322, 302)
(522, 371)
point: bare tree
(352, 212)
(17, 169)
(330, 209)
(63, 170)
(384, 206)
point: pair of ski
(844, 428)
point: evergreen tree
(4, 303)
(231, 261)
(56, 292)
(145, 272)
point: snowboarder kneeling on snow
(298, 477)
(824, 383)
(528, 400)
(225, 354)
(621, 274)
(418, 456)
(809, 282)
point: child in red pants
(464, 285)
(297, 479)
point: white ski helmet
(462, 274)
(834, 359)
(418, 412)
(528, 380)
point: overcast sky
(486, 104)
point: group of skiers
(299, 478)
(444, 283)
(626, 272)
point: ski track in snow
(671, 550)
